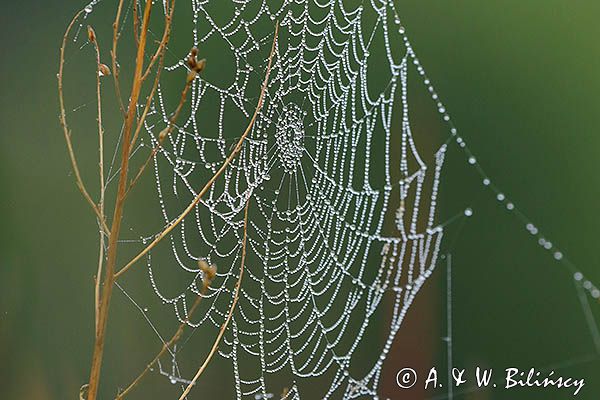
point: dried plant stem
(215, 346)
(211, 181)
(142, 118)
(113, 53)
(67, 132)
(136, 23)
(94, 40)
(162, 45)
(111, 257)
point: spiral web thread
(320, 256)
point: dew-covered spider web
(343, 229)
(319, 259)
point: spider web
(318, 211)
(342, 203)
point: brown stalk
(211, 181)
(92, 37)
(113, 53)
(136, 24)
(215, 346)
(109, 277)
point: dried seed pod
(200, 65)
(163, 135)
(191, 62)
(194, 52)
(104, 70)
(91, 34)
(191, 76)
(209, 271)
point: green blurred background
(520, 79)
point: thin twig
(228, 161)
(67, 132)
(92, 37)
(162, 46)
(136, 23)
(113, 54)
(164, 134)
(215, 346)
(142, 118)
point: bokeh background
(520, 79)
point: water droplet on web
(531, 228)
(88, 9)
(468, 212)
